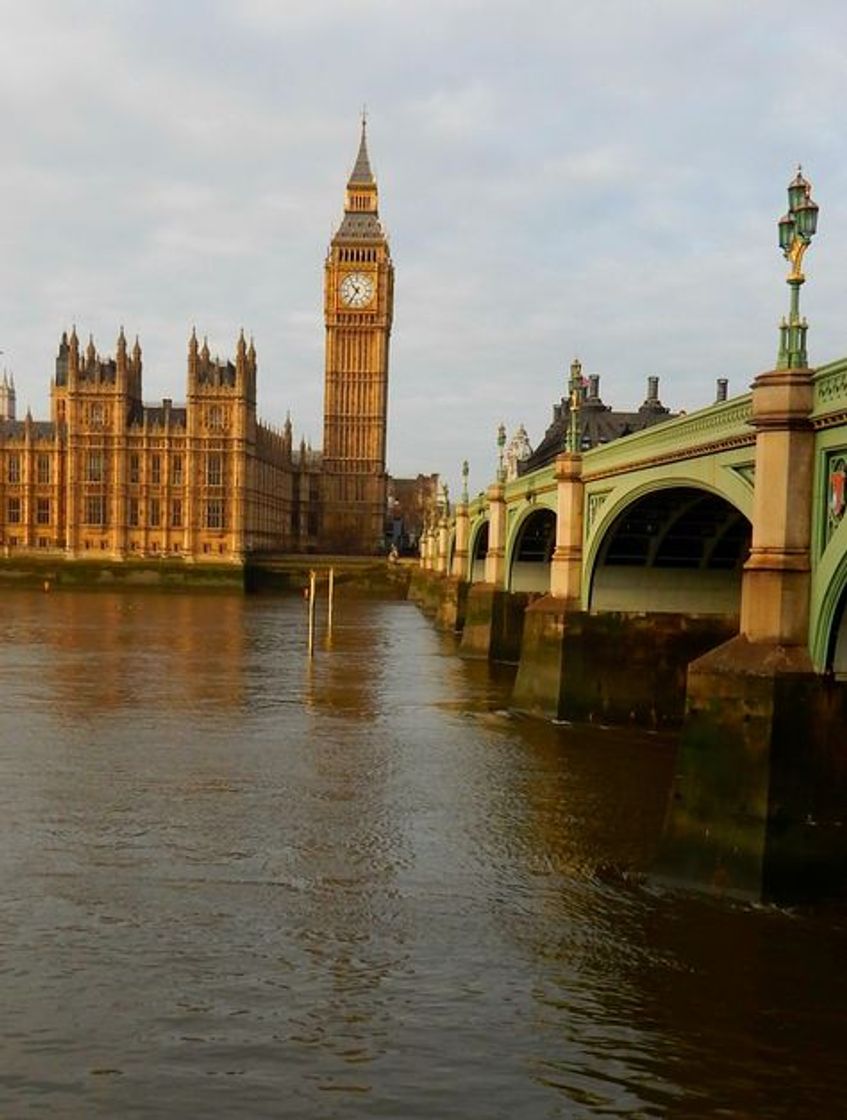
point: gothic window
(215, 418)
(176, 513)
(214, 469)
(97, 414)
(215, 513)
(13, 468)
(13, 511)
(42, 511)
(94, 467)
(155, 511)
(133, 512)
(134, 467)
(42, 469)
(176, 470)
(95, 509)
(156, 470)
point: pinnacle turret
(361, 204)
(362, 175)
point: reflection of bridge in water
(694, 573)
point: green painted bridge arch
(668, 539)
(828, 621)
(478, 546)
(531, 537)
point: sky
(595, 179)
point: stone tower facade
(358, 309)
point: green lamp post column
(796, 229)
(460, 552)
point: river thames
(239, 884)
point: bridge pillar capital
(566, 564)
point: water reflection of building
(191, 649)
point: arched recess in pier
(672, 549)
(533, 541)
(828, 638)
(837, 654)
(478, 551)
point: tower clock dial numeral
(356, 289)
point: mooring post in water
(330, 594)
(311, 613)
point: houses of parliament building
(111, 477)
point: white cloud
(597, 178)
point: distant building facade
(598, 422)
(411, 502)
(108, 476)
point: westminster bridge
(694, 576)
(662, 522)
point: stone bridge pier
(761, 797)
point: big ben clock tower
(358, 307)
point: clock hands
(356, 290)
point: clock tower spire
(358, 309)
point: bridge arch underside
(479, 551)
(836, 654)
(535, 539)
(679, 549)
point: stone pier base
(450, 614)
(615, 668)
(442, 597)
(425, 590)
(758, 809)
(493, 623)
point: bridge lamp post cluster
(573, 440)
(796, 230)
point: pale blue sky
(600, 179)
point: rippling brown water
(234, 884)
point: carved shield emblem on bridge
(837, 490)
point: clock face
(357, 290)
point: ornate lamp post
(501, 443)
(465, 472)
(573, 441)
(796, 230)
